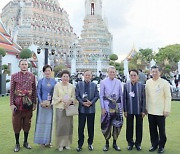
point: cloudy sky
(144, 23)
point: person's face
(23, 65)
(47, 72)
(133, 76)
(155, 73)
(87, 76)
(65, 78)
(111, 73)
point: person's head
(133, 75)
(155, 72)
(65, 75)
(47, 69)
(111, 72)
(87, 75)
(140, 70)
(23, 65)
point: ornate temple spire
(132, 53)
(96, 40)
(93, 7)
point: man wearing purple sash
(111, 108)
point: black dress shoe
(79, 149)
(90, 147)
(116, 148)
(130, 147)
(161, 150)
(17, 148)
(26, 145)
(106, 147)
(152, 149)
(138, 147)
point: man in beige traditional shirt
(158, 99)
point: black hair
(133, 70)
(155, 67)
(65, 72)
(22, 60)
(46, 66)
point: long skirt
(44, 120)
(64, 128)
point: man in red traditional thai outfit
(22, 102)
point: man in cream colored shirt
(158, 105)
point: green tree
(119, 67)
(25, 54)
(132, 65)
(2, 54)
(167, 69)
(168, 56)
(142, 59)
(111, 63)
(146, 55)
(5, 69)
(113, 57)
(58, 69)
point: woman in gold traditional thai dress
(64, 94)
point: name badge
(132, 94)
(158, 89)
(66, 97)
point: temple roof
(2, 29)
(6, 42)
(4, 39)
(9, 48)
(131, 54)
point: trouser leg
(153, 130)
(130, 129)
(162, 132)
(90, 127)
(139, 129)
(81, 125)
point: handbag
(72, 110)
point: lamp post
(46, 53)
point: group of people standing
(134, 99)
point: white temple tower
(96, 40)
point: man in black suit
(134, 106)
(87, 94)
